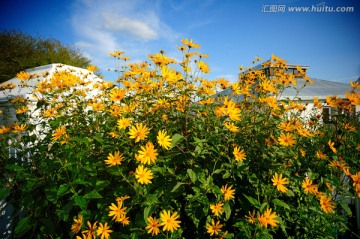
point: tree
(19, 51)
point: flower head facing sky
(138, 132)
(169, 221)
(78, 222)
(214, 227)
(279, 182)
(103, 230)
(268, 218)
(163, 139)
(153, 226)
(286, 139)
(239, 154)
(147, 154)
(143, 175)
(228, 192)
(113, 160)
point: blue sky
(232, 32)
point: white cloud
(124, 25)
(133, 26)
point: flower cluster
(195, 158)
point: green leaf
(63, 189)
(290, 193)
(92, 194)
(226, 175)
(192, 175)
(263, 206)
(152, 198)
(227, 210)
(101, 185)
(14, 167)
(4, 192)
(23, 226)
(253, 201)
(98, 138)
(80, 201)
(176, 139)
(146, 213)
(280, 203)
(346, 208)
(177, 186)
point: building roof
(319, 88)
(43, 73)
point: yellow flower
(251, 218)
(117, 94)
(331, 145)
(98, 106)
(83, 237)
(286, 140)
(123, 123)
(355, 178)
(122, 198)
(223, 83)
(116, 53)
(304, 132)
(22, 75)
(239, 154)
(22, 110)
(170, 74)
(153, 226)
(217, 209)
(228, 192)
(104, 231)
(143, 175)
(168, 221)
(232, 127)
(163, 139)
(50, 113)
(147, 154)
(308, 186)
(233, 113)
(354, 98)
(268, 86)
(92, 68)
(302, 152)
(114, 159)
(18, 128)
(114, 134)
(326, 205)
(279, 182)
(161, 59)
(4, 129)
(138, 132)
(320, 155)
(355, 85)
(75, 228)
(59, 131)
(317, 103)
(204, 67)
(214, 227)
(90, 233)
(349, 127)
(117, 211)
(268, 218)
(123, 220)
(190, 43)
